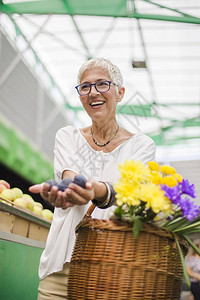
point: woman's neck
(104, 131)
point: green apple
(17, 193)
(29, 201)
(2, 187)
(27, 196)
(20, 202)
(7, 194)
(46, 213)
(37, 209)
(38, 204)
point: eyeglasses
(101, 87)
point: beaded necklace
(103, 145)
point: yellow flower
(154, 166)
(155, 198)
(157, 178)
(170, 181)
(126, 193)
(178, 177)
(134, 171)
(120, 202)
(131, 201)
(167, 170)
(133, 174)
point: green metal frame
(19, 33)
(135, 110)
(17, 154)
(160, 137)
(112, 8)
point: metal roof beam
(158, 139)
(151, 82)
(135, 110)
(89, 55)
(18, 31)
(139, 110)
(181, 19)
(169, 8)
(54, 36)
(105, 36)
(79, 8)
(16, 60)
(193, 122)
(66, 4)
(150, 77)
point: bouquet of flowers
(157, 194)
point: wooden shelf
(23, 222)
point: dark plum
(80, 180)
(51, 182)
(67, 181)
(64, 184)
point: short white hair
(112, 70)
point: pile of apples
(15, 195)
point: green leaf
(118, 211)
(178, 223)
(137, 226)
(187, 278)
(169, 222)
(187, 231)
(196, 249)
(191, 226)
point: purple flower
(170, 217)
(189, 209)
(172, 193)
(188, 188)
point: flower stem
(187, 278)
(193, 225)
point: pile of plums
(78, 179)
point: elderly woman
(93, 152)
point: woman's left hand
(76, 195)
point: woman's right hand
(53, 195)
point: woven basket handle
(90, 210)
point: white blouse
(72, 152)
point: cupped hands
(73, 194)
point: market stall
(23, 235)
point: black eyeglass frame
(76, 87)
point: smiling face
(100, 106)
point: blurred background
(156, 44)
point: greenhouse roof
(156, 44)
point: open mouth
(96, 103)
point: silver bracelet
(110, 197)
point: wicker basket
(109, 263)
